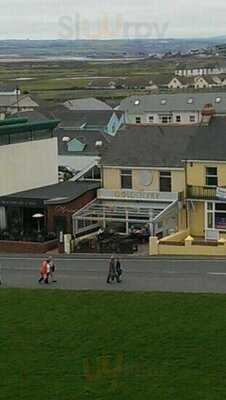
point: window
(216, 216)
(126, 179)
(138, 120)
(192, 118)
(190, 101)
(211, 176)
(178, 118)
(137, 102)
(163, 101)
(165, 181)
(166, 119)
(151, 118)
(93, 174)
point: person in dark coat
(111, 273)
(118, 270)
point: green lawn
(61, 345)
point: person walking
(118, 270)
(52, 268)
(43, 271)
(111, 272)
(47, 272)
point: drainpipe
(186, 193)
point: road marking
(217, 273)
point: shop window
(211, 176)
(138, 120)
(216, 216)
(165, 181)
(126, 179)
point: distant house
(203, 82)
(86, 104)
(180, 82)
(197, 70)
(9, 89)
(11, 104)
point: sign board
(221, 193)
(212, 234)
(135, 195)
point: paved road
(159, 274)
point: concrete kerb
(105, 256)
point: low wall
(187, 247)
(194, 250)
(7, 246)
(176, 237)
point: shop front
(126, 211)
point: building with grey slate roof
(86, 104)
(171, 109)
(108, 121)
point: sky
(111, 19)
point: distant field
(59, 345)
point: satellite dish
(146, 177)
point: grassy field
(60, 345)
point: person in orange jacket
(43, 271)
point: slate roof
(209, 143)
(70, 118)
(56, 194)
(88, 138)
(86, 104)
(153, 146)
(11, 101)
(174, 102)
(32, 116)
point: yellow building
(143, 182)
(170, 178)
(141, 188)
(206, 198)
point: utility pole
(17, 99)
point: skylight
(218, 100)
(163, 101)
(137, 102)
(190, 101)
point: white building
(197, 70)
(28, 155)
(171, 109)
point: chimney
(208, 112)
